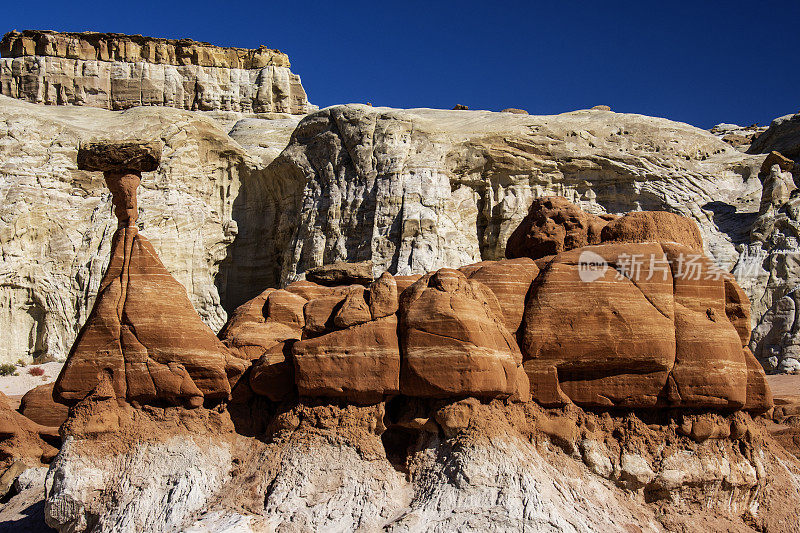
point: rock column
(122, 164)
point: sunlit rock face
(242, 204)
(419, 189)
(205, 204)
(116, 71)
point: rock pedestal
(143, 335)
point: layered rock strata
(584, 319)
(143, 336)
(770, 262)
(417, 190)
(115, 71)
(228, 224)
(363, 405)
(207, 204)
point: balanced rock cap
(115, 156)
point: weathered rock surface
(653, 226)
(416, 190)
(499, 467)
(509, 280)
(553, 225)
(39, 406)
(145, 338)
(341, 273)
(207, 205)
(455, 341)
(740, 137)
(768, 267)
(227, 227)
(23, 442)
(115, 71)
(665, 314)
(272, 317)
(783, 135)
(155, 478)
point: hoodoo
(143, 334)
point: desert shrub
(36, 371)
(7, 369)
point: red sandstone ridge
(646, 336)
(668, 332)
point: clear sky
(701, 62)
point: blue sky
(700, 62)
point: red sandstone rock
(657, 336)
(710, 370)
(272, 317)
(320, 314)
(404, 282)
(737, 308)
(759, 396)
(145, 335)
(553, 225)
(361, 363)
(39, 406)
(273, 374)
(286, 308)
(383, 296)
(654, 226)
(606, 342)
(509, 280)
(454, 340)
(353, 310)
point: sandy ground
(16, 386)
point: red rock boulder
(654, 226)
(637, 326)
(23, 440)
(272, 317)
(553, 225)
(350, 347)
(710, 369)
(509, 280)
(454, 340)
(594, 335)
(39, 406)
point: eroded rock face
(783, 135)
(769, 267)
(206, 207)
(553, 225)
(455, 341)
(23, 441)
(352, 467)
(429, 189)
(653, 226)
(39, 406)
(665, 314)
(144, 336)
(320, 431)
(115, 71)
